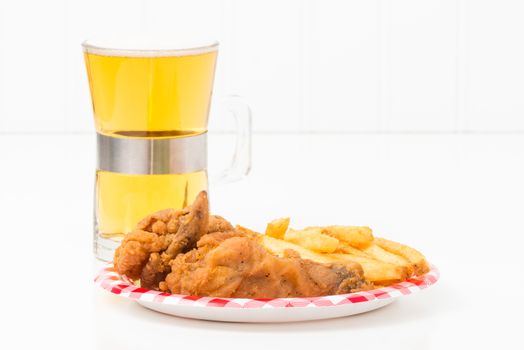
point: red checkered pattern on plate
(110, 280)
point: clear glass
(146, 89)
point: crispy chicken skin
(145, 253)
(135, 249)
(218, 224)
(233, 264)
(192, 226)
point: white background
(406, 116)
(314, 66)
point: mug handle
(240, 164)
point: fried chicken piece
(163, 221)
(193, 225)
(218, 224)
(153, 234)
(234, 264)
(156, 270)
(134, 252)
(145, 253)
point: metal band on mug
(152, 156)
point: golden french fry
(420, 265)
(312, 239)
(356, 236)
(279, 247)
(345, 248)
(376, 253)
(277, 228)
(374, 270)
(383, 255)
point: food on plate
(234, 264)
(279, 247)
(384, 262)
(189, 251)
(277, 228)
(376, 271)
(356, 236)
(146, 252)
(418, 261)
(312, 238)
(378, 253)
(218, 224)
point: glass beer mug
(151, 104)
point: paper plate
(260, 309)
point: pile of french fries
(384, 262)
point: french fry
(356, 236)
(277, 228)
(420, 265)
(345, 248)
(374, 270)
(281, 248)
(278, 247)
(382, 261)
(377, 253)
(312, 239)
(383, 255)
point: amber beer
(166, 96)
(152, 98)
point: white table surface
(457, 198)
